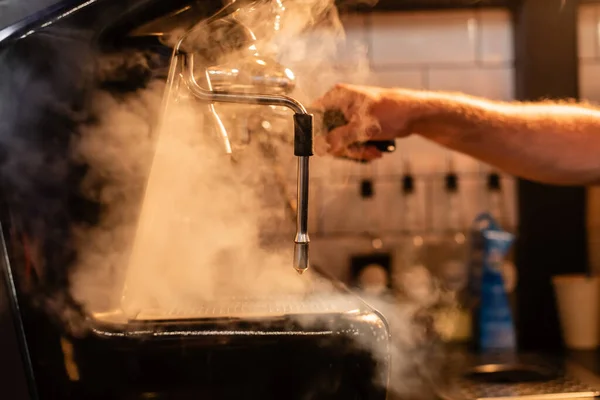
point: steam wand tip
(301, 263)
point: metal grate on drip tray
(564, 379)
(250, 307)
(565, 387)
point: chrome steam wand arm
(303, 145)
(303, 149)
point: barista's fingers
(340, 97)
(357, 131)
(371, 128)
(342, 137)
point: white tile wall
(398, 39)
(491, 82)
(589, 84)
(355, 45)
(410, 78)
(467, 51)
(495, 37)
(392, 218)
(343, 210)
(589, 89)
(333, 253)
(588, 31)
(589, 52)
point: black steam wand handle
(334, 118)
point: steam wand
(303, 145)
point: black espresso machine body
(291, 348)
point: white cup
(577, 298)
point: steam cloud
(203, 240)
(181, 224)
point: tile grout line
(491, 65)
(368, 38)
(426, 78)
(478, 38)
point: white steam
(194, 233)
(197, 235)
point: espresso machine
(268, 347)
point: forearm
(547, 142)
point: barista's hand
(373, 113)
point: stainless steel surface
(488, 370)
(568, 382)
(214, 317)
(302, 240)
(187, 61)
(259, 307)
(219, 123)
(252, 74)
(564, 386)
(301, 261)
(366, 324)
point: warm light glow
(373, 318)
(418, 241)
(472, 29)
(261, 62)
(277, 25)
(289, 73)
(377, 243)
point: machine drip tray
(524, 378)
(510, 373)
